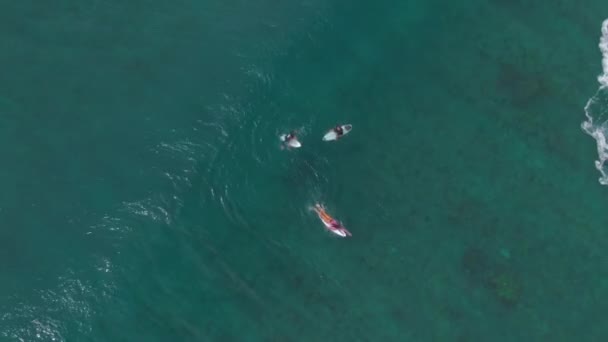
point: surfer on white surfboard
(337, 132)
(290, 140)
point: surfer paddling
(330, 223)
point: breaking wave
(596, 109)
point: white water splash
(603, 79)
(597, 108)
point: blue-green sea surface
(145, 196)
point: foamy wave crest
(603, 79)
(597, 108)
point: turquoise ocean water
(145, 196)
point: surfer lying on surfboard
(337, 132)
(330, 223)
(290, 140)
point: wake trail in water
(597, 108)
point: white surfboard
(332, 135)
(292, 143)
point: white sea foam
(603, 78)
(596, 109)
